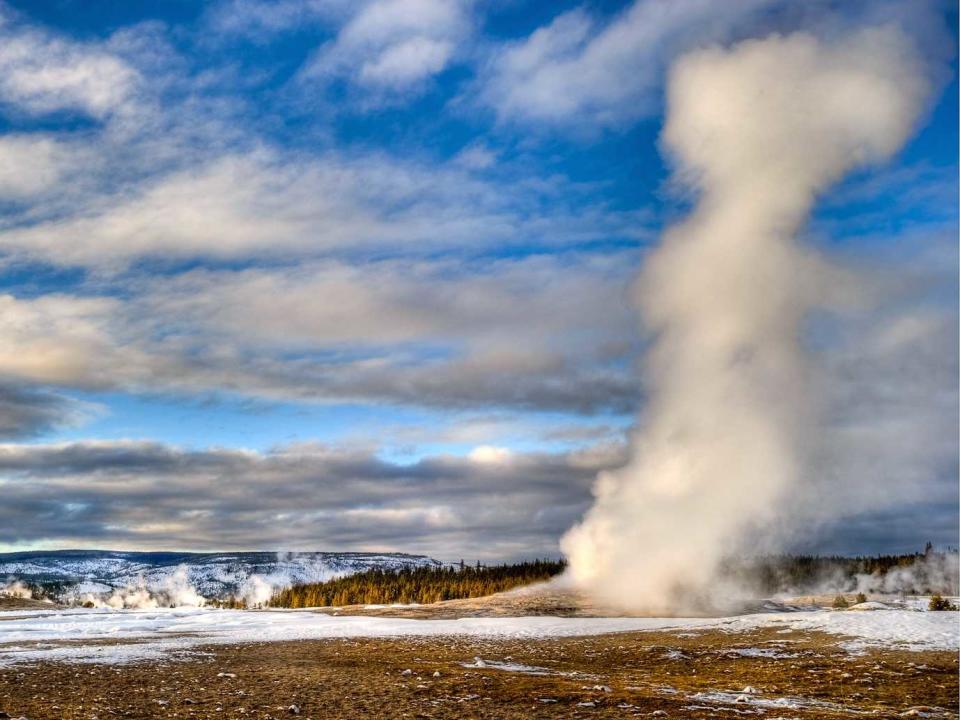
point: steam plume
(758, 130)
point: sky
(330, 275)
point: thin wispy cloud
(579, 69)
(386, 52)
(41, 73)
(265, 203)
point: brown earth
(541, 599)
(618, 675)
(15, 603)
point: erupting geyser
(758, 130)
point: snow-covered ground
(129, 635)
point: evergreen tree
(416, 585)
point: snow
(870, 605)
(780, 703)
(508, 667)
(148, 635)
(770, 653)
(252, 575)
(903, 629)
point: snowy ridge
(75, 574)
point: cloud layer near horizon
(149, 495)
(492, 506)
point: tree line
(916, 573)
(417, 585)
(912, 573)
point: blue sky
(268, 241)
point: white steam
(934, 573)
(257, 591)
(16, 589)
(174, 591)
(758, 130)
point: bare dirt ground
(697, 674)
(14, 603)
(540, 599)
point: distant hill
(72, 575)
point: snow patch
(147, 634)
(480, 663)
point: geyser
(757, 131)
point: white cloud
(169, 174)
(579, 70)
(266, 203)
(40, 74)
(490, 454)
(407, 62)
(419, 333)
(30, 165)
(390, 48)
(257, 18)
(379, 303)
(54, 338)
(130, 493)
(476, 156)
(68, 341)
